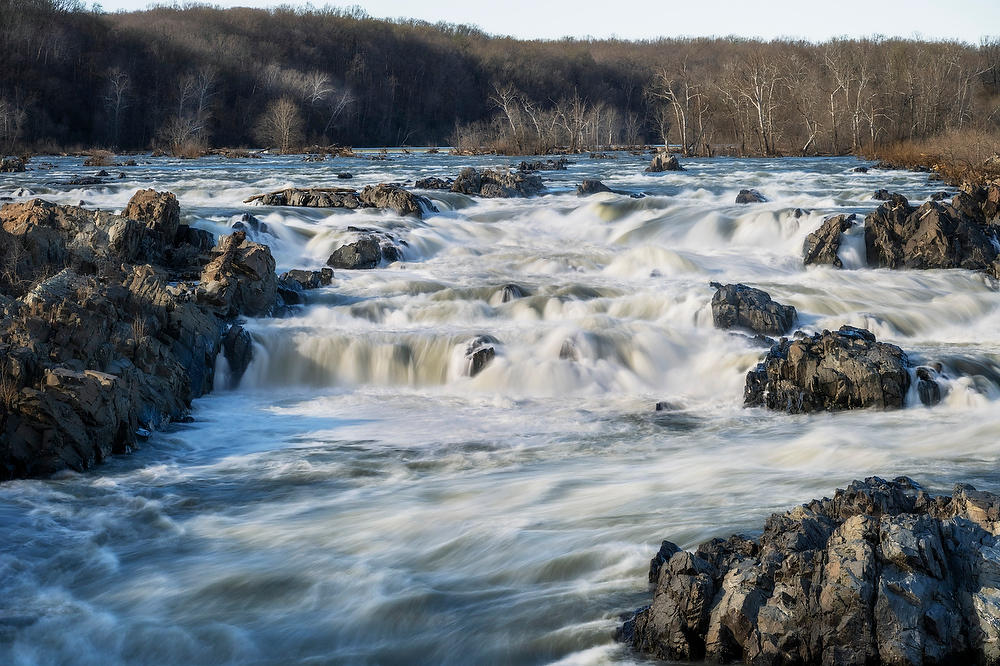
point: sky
(966, 20)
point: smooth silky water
(360, 499)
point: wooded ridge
(188, 78)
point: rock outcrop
(11, 164)
(664, 161)
(434, 183)
(544, 165)
(934, 235)
(883, 573)
(740, 306)
(497, 183)
(822, 245)
(750, 196)
(101, 340)
(832, 370)
(385, 195)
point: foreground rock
(740, 306)
(373, 196)
(822, 245)
(664, 161)
(934, 235)
(833, 370)
(883, 573)
(497, 183)
(750, 196)
(100, 338)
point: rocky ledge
(883, 573)
(488, 183)
(388, 196)
(102, 338)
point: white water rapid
(360, 499)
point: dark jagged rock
(860, 169)
(345, 175)
(237, 348)
(250, 224)
(434, 183)
(882, 195)
(395, 198)
(822, 245)
(12, 164)
(308, 279)
(664, 161)
(749, 196)
(833, 370)
(883, 573)
(497, 183)
(592, 186)
(479, 353)
(544, 165)
(511, 292)
(927, 387)
(85, 180)
(370, 248)
(935, 235)
(740, 306)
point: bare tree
(281, 125)
(116, 100)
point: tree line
(190, 77)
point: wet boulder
(935, 235)
(369, 249)
(434, 183)
(740, 306)
(928, 388)
(480, 351)
(860, 169)
(511, 292)
(12, 164)
(822, 245)
(397, 199)
(883, 573)
(750, 196)
(592, 186)
(308, 279)
(250, 224)
(237, 349)
(497, 183)
(344, 175)
(159, 211)
(664, 161)
(314, 197)
(240, 279)
(832, 370)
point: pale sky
(966, 20)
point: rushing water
(360, 499)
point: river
(359, 499)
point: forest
(188, 78)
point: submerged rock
(883, 573)
(511, 292)
(833, 370)
(750, 196)
(927, 387)
(664, 161)
(237, 348)
(497, 183)
(592, 186)
(740, 306)
(822, 245)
